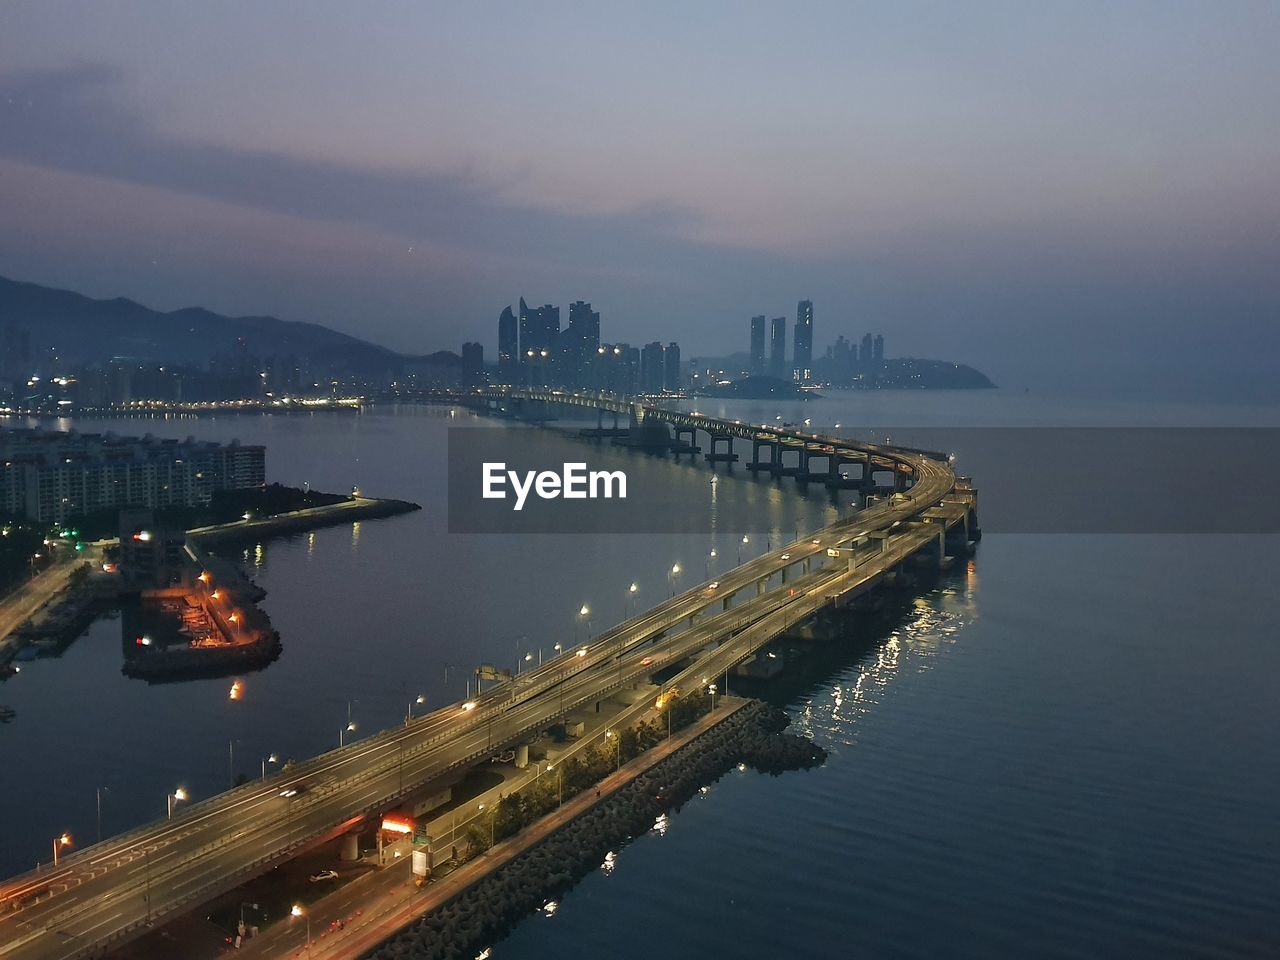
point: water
(1062, 749)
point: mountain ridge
(82, 329)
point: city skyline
(996, 201)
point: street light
(343, 731)
(268, 759)
(297, 911)
(712, 689)
(617, 742)
(420, 699)
(706, 564)
(174, 798)
(98, 791)
(58, 843)
(559, 784)
(743, 543)
(631, 593)
(671, 577)
(662, 704)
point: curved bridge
(109, 893)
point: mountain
(82, 330)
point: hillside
(83, 330)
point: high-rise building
(539, 336)
(508, 346)
(472, 364)
(802, 359)
(48, 476)
(617, 368)
(652, 368)
(778, 347)
(671, 367)
(879, 348)
(579, 344)
(758, 365)
(528, 320)
(864, 355)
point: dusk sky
(1046, 191)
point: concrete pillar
(522, 756)
(349, 851)
(760, 587)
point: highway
(109, 891)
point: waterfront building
(778, 347)
(758, 363)
(802, 354)
(48, 476)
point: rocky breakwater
(483, 913)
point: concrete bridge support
(683, 445)
(721, 449)
(774, 453)
(780, 466)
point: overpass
(110, 892)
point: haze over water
(1064, 748)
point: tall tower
(528, 319)
(802, 359)
(671, 367)
(778, 347)
(508, 346)
(580, 343)
(758, 364)
(652, 367)
(879, 347)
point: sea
(1062, 747)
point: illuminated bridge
(108, 893)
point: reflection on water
(1014, 767)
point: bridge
(113, 891)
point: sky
(1056, 193)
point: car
(786, 556)
(816, 542)
(293, 790)
(713, 585)
(646, 661)
(324, 875)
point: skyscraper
(778, 347)
(879, 348)
(472, 364)
(539, 335)
(580, 343)
(652, 368)
(864, 354)
(508, 346)
(802, 361)
(758, 365)
(527, 322)
(671, 367)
